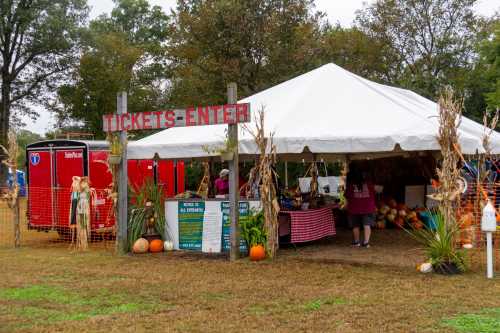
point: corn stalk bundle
(11, 196)
(267, 175)
(83, 215)
(450, 114)
(205, 181)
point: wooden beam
(234, 193)
(122, 181)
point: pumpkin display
(399, 222)
(140, 246)
(417, 224)
(156, 245)
(257, 252)
(168, 245)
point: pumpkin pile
(390, 213)
(156, 245)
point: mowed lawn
(55, 289)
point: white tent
(326, 111)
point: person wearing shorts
(361, 208)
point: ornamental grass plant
(439, 244)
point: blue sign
(34, 158)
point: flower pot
(114, 159)
(227, 156)
(447, 268)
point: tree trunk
(4, 127)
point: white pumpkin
(426, 267)
(168, 245)
(140, 246)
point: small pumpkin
(399, 222)
(156, 245)
(418, 224)
(168, 245)
(141, 246)
(381, 224)
(257, 252)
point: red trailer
(53, 163)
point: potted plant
(147, 216)
(440, 246)
(254, 234)
(225, 151)
(115, 154)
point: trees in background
(254, 43)
(190, 54)
(38, 42)
(431, 43)
(123, 51)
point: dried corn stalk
(205, 181)
(450, 114)
(12, 194)
(267, 175)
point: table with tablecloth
(307, 225)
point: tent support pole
(122, 181)
(286, 175)
(234, 193)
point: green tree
(38, 40)
(122, 52)
(490, 61)
(254, 43)
(357, 52)
(431, 42)
(24, 138)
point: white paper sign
(212, 227)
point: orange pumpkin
(498, 218)
(257, 252)
(418, 224)
(399, 222)
(156, 245)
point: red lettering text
(215, 111)
(146, 120)
(227, 114)
(107, 122)
(190, 117)
(127, 117)
(158, 117)
(203, 116)
(169, 118)
(135, 121)
(242, 114)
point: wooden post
(122, 240)
(286, 175)
(234, 193)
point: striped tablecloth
(309, 225)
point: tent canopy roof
(326, 111)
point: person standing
(222, 183)
(361, 208)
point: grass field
(46, 290)
(325, 287)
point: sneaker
(366, 245)
(355, 244)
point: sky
(337, 11)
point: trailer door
(69, 163)
(40, 199)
